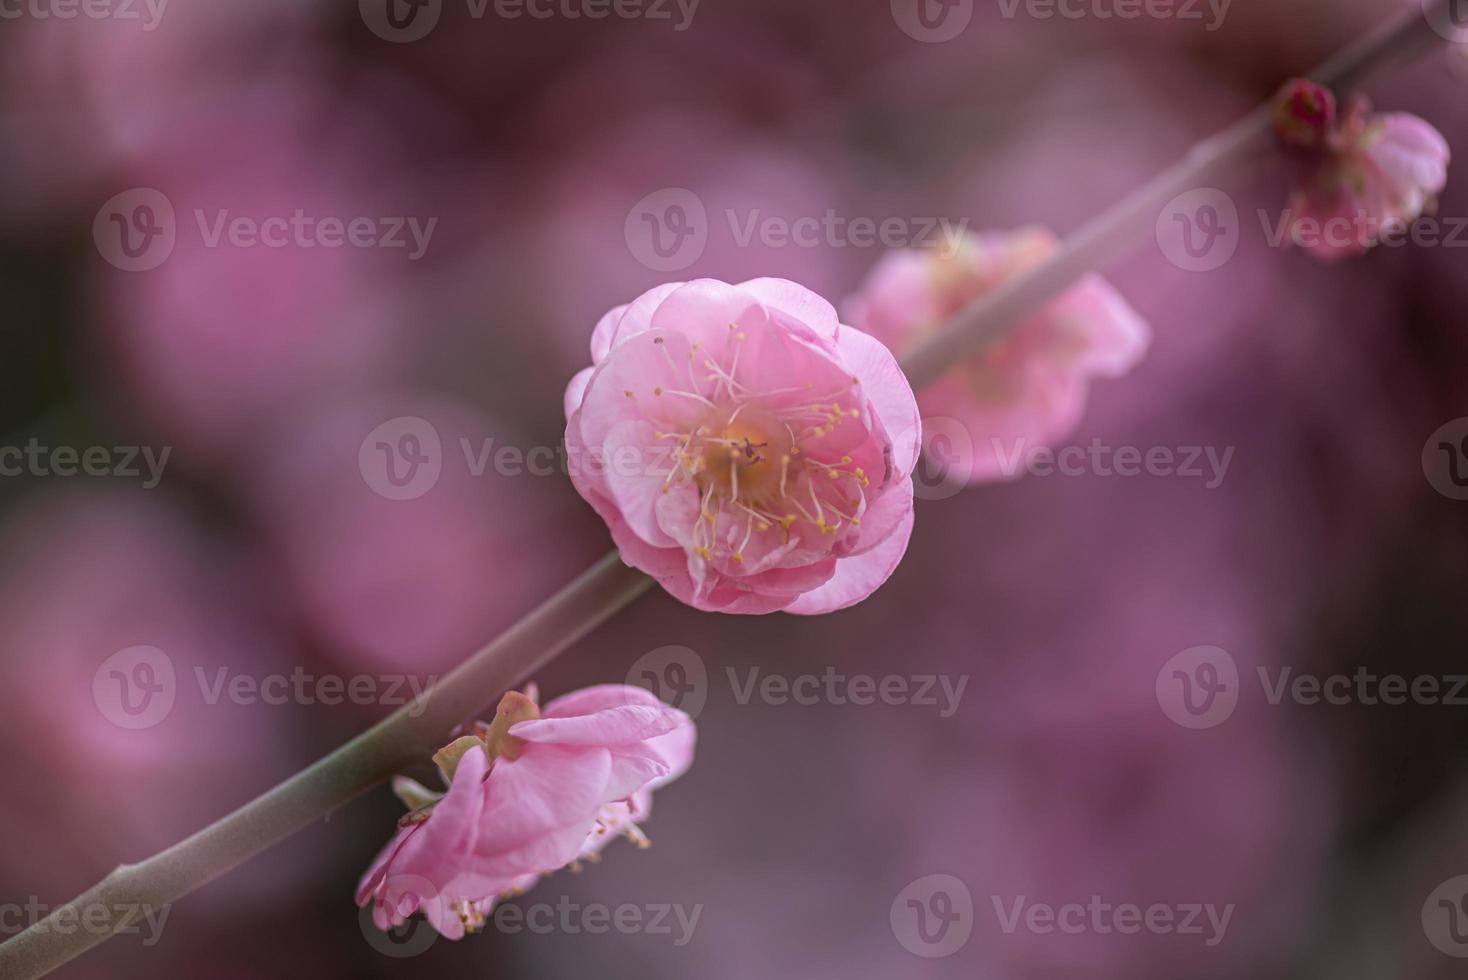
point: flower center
(756, 456)
(744, 459)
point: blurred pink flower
(1365, 172)
(1024, 390)
(231, 333)
(608, 203)
(129, 745)
(414, 584)
(79, 91)
(744, 449)
(528, 794)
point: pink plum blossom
(1361, 174)
(1026, 389)
(746, 450)
(530, 793)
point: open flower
(1361, 174)
(528, 794)
(746, 450)
(1025, 390)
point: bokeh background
(265, 548)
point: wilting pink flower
(1362, 174)
(528, 794)
(746, 450)
(1025, 390)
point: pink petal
(858, 577)
(797, 302)
(609, 726)
(884, 384)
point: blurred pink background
(274, 541)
